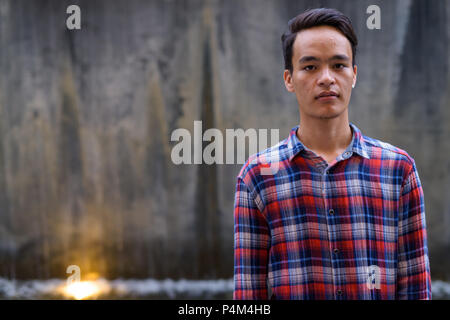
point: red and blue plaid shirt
(351, 229)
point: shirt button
(331, 211)
(347, 154)
(336, 250)
(339, 292)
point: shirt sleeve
(251, 247)
(413, 277)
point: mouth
(327, 95)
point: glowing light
(82, 290)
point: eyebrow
(335, 57)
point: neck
(326, 136)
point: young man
(342, 216)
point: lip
(327, 98)
(327, 95)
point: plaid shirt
(353, 229)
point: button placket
(334, 252)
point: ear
(355, 71)
(288, 81)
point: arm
(251, 246)
(413, 277)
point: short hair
(314, 18)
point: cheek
(303, 84)
(346, 84)
(349, 78)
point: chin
(328, 117)
(331, 113)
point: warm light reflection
(84, 289)
(81, 290)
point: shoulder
(253, 168)
(384, 151)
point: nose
(326, 78)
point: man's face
(322, 65)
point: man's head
(314, 18)
(319, 51)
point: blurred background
(86, 116)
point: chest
(358, 191)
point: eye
(340, 65)
(309, 68)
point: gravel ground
(147, 289)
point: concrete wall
(86, 116)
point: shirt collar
(295, 146)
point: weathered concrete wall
(86, 116)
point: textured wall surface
(86, 116)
